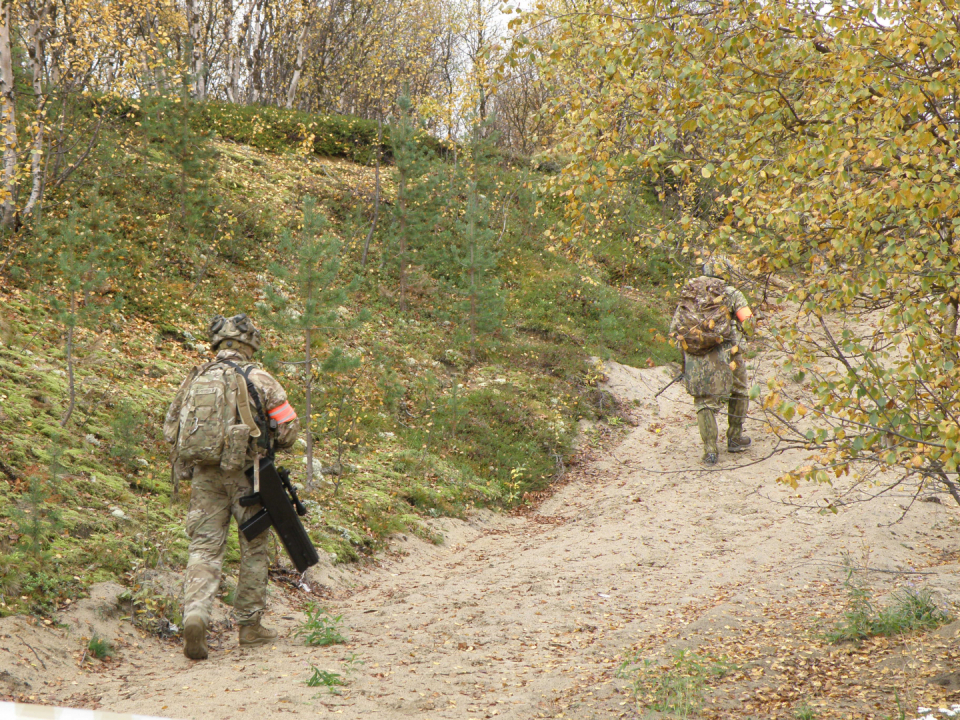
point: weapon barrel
(669, 384)
(285, 476)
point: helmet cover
(238, 328)
(716, 267)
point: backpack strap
(243, 405)
(249, 390)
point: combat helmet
(233, 330)
(717, 266)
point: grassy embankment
(418, 428)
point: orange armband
(744, 314)
(283, 413)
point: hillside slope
(408, 428)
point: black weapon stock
(281, 508)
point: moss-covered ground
(416, 426)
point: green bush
(279, 130)
(128, 434)
(909, 611)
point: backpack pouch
(236, 446)
(202, 426)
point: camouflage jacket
(272, 397)
(710, 374)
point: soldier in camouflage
(215, 496)
(720, 375)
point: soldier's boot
(195, 638)
(737, 442)
(256, 634)
(707, 423)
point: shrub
(100, 648)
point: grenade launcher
(281, 508)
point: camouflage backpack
(703, 316)
(209, 433)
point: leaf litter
(533, 614)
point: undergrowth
(678, 687)
(909, 610)
(100, 648)
(320, 627)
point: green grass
(677, 688)
(320, 628)
(325, 678)
(910, 610)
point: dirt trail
(519, 617)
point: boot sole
(194, 646)
(257, 643)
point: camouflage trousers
(716, 402)
(215, 496)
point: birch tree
(823, 142)
(9, 113)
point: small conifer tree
(412, 218)
(170, 123)
(474, 252)
(81, 252)
(307, 303)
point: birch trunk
(258, 55)
(36, 66)
(8, 112)
(253, 64)
(160, 70)
(240, 46)
(196, 49)
(298, 68)
(231, 46)
(233, 75)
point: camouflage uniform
(215, 495)
(720, 376)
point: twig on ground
(32, 650)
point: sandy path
(520, 617)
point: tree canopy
(815, 141)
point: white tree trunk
(231, 46)
(36, 66)
(298, 68)
(233, 74)
(8, 113)
(253, 65)
(194, 20)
